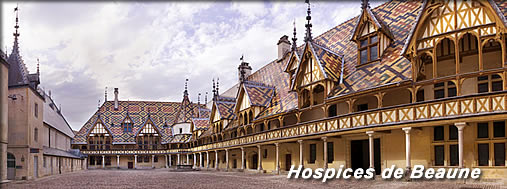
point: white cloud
(148, 49)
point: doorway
(360, 154)
(255, 161)
(130, 165)
(288, 162)
(36, 166)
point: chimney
(115, 98)
(283, 46)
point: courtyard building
(404, 84)
(39, 137)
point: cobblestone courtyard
(162, 178)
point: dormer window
(127, 126)
(368, 49)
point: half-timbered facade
(401, 84)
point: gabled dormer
(127, 124)
(318, 72)
(148, 136)
(456, 37)
(222, 112)
(252, 99)
(99, 136)
(294, 58)
(371, 35)
(99, 129)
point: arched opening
(365, 103)
(332, 110)
(249, 130)
(273, 124)
(446, 58)
(318, 95)
(397, 97)
(250, 117)
(305, 98)
(241, 119)
(425, 69)
(290, 119)
(241, 132)
(11, 166)
(313, 114)
(468, 53)
(491, 55)
(259, 127)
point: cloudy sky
(148, 49)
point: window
(155, 159)
(362, 107)
(439, 155)
(482, 130)
(181, 130)
(453, 132)
(330, 152)
(332, 110)
(313, 153)
(489, 83)
(146, 158)
(440, 89)
(36, 134)
(438, 133)
(499, 153)
(453, 153)
(44, 162)
(494, 156)
(140, 159)
(36, 110)
(265, 154)
(499, 129)
(420, 95)
(483, 150)
(127, 126)
(368, 49)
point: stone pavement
(162, 178)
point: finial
(218, 93)
(294, 39)
(214, 88)
(242, 58)
(308, 25)
(199, 98)
(186, 85)
(98, 105)
(105, 95)
(38, 63)
(206, 98)
(365, 4)
(16, 34)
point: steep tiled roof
(329, 60)
(225, 107)
(181, 138)
(54, 118)
(258, 93)
(200, 123)
(163, 115)
(393, 68)
(502, 9)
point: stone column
(178, 160)
(460, 126)
(242, 158)
(227, 159)
(152, 161)
(301, 160)
(188, 159)
(166, 162)
(135, 161)
(195, 161)
(4, 126)
(259, 158)
(216, 159)
(370, 140)
(103, 161)
(324, 140)
(277, 159)
(207, 160)
(118, 161)
(407, 148)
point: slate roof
(53, 117)
(163, 115)
(60, 153)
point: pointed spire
(218, 93)
(365, 4)
(294, 39)
(308, 25)
(214, 89)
